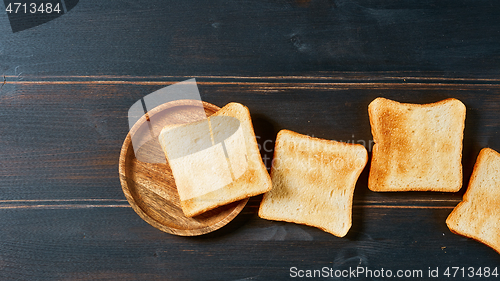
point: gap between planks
(275, 86)
(122, 203)
(63, 204)
(353, 76)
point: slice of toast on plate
(215, 161)
(478, 215)
(417, 147)
(313, 182)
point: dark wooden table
(308, 66)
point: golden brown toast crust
(478, 215)
(418, 147)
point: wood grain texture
(308, 66)
(114, 243)
(256, 37)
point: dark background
(308, 66)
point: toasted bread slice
(313, 182)
(478, 215)
(215, 161)
(418, 147)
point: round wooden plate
(143, 182)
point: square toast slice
(313, 182)
(478, 215)
(215, 161)
(418, 147)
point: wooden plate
(142, 182)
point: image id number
(33, 8)
(470, 272)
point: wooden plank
(114, 243)
(62, 140)
(258, 37)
